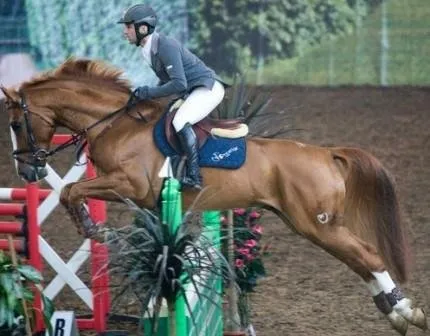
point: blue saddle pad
(217, 152)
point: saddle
(225, 128)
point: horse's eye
(16, 126)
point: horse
(341, 199)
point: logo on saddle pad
(221, 156)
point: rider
(180, 73)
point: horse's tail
(372, 209)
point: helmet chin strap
(139, 36)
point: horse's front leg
(105, 187)
(72, 211)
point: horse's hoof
(89, 232)
(111, 237)
(95, 232)
(419, 318)
(98, 236)
(398, 322)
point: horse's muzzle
(32, 173)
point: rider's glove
(141, 93)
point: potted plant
(251, 107)
(155, 264)
(248, 259)
(17, 285)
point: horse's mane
(92, 71)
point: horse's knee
(64, 195)
(70, 195)
(360, 254)
(75, 196)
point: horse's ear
(10, 94)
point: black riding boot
(188, 141)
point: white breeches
(199, 104)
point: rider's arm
(170, 56)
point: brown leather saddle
(203, 128)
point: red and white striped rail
(40, 203)
(20, 194)
(28, 233)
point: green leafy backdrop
(232, 35)
(305, 42)
(63, 28)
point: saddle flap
(172, 138)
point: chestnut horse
(341, 199)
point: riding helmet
(139, 14)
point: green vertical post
(212, 230)
(171, 214)
(171, 208)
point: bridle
(40, 155)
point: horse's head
(81, 95)
(32, 132)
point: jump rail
(39, 203)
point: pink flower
(239, 211)
(250, 257)
(257, 229)
(243, 250)
(223, 220)
(239, 263)
(254, 214)
(250, 243)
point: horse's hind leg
(328, 232)
(395, 298)
(387, 296)
(383, 304)
(362, 259)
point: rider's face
(129, 33)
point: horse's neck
(79, 108)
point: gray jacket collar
(154, 46)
